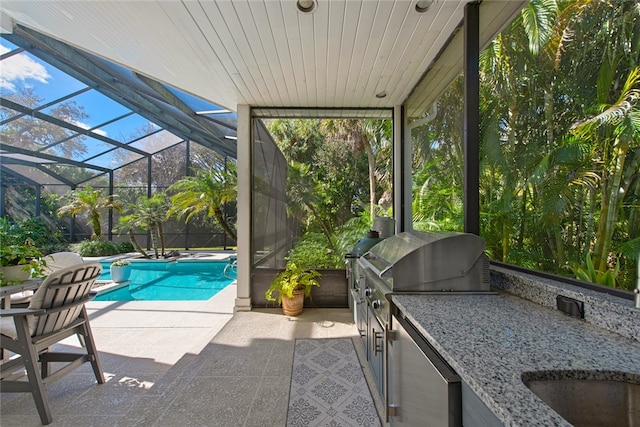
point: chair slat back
(61, 260)
(62, 294)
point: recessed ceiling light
(423, 5)
(381, 95)
(307, 6)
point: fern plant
(293, 278)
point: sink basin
(589, 398)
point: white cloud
(20, 67)
(86, 126)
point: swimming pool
(169, 281)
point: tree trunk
(154, 240)
(506, 235)
(95, 222)
(548, 114)
(634, 215)
(609, 212)
(136, 245)
(633, 224)
(325, 228)
(371, 159)
(217, 212)
(160, 237)
(523, 213)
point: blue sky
(25, 70)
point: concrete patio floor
(183, 363)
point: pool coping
(104, 286)
(184, 257)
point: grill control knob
(368, 292)
(376, 304)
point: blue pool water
(169, 281)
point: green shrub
(34, 230)
(124, 247)
(311, 252)
(91, 248)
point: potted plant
(18, 262)
(120, 270)
(292, 286)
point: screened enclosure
(69, 119)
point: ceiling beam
(172, 99)
(53, 120)
(47, 105)
(18, 175)
(40, 167)
(56, 159)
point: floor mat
(328, 387)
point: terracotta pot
(293, 306)
(14, 273)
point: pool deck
(183, 363)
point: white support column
(243, 299)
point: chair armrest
(12, 312)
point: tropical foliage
(560, 184)
(293, 278)
(311, 252)
(48, 239)
(94, 248)
(560, 156)
(337, 169)
(205, 194)
(90, 201)
(148, 214)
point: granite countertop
(491, 340)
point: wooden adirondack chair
(56, 311)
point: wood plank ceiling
(264, 53)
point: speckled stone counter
(491, 340)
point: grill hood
(415, 261)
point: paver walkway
(183, 363)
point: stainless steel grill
(426, 262)
(411, 262)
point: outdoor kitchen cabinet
(423, 389)
(375, 352)
(474, 412)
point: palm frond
(538, 17)
(613, 114)
(630, 249)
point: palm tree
(357, 135)
(304, 198)
(617, 129)
(149, 214)
(510, 151)
(205, 194)
(91, 201)
(560, 187)
(128, 224)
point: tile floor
(184, 363)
